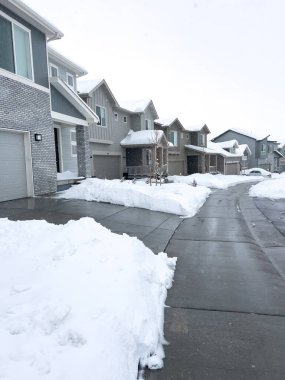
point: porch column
(83, 151)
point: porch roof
(212, 148)
(144, 138)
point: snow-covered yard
(272, 188)
(174, 198)
(79, 302)
(218, 181)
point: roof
(169, 122)
(197, 128)
(242, 148)
(28, 14)
(278, 153)
(254, 136)
(143, 138)
(212, 148)
(138, 106)
(56, 56)
(228, 144)
(74, 99)
(87, 86)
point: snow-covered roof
(135, 105)
(212, 148)
(228, 144)
(86, 86)
(197, 128)
(148, 137)
(58, 57)
(278, 153)
(242, 148)
(255, 136)
(169, 122)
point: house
(177, 138)
(242, 152)
(71, 116)
(27, 159)
(114, 152)
(261, 147)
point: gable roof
(212, 148)
(87, 86)
(255, 136)
(228, 144)
(139, 106)
(143, 138)
(198, 128)
(169, 122)
(28, 14)
(242, 148)
(61, 59)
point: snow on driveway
(174, 198)
(79, 302)
(218, 181)
(272, 188)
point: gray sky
(221, 62)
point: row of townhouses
(53, 121)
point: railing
(145, 170)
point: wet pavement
(226, 318)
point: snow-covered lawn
(174, 198)
(218, 181)
(79, 302)
(272, 188)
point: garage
(175, 167)
(13, 173)
(106, 166)
(232, 168)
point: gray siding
(38, 49)
(62, 71)
(60, 104)
(25, 108)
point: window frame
(203, 139)
(147, 122)
(261, 148)
(105, 109)
(51, 65)
(116, 116)
(73, 143)
(125, 119)
(175, 138)
(73, 78)
(21, 26)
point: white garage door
(106, 166)
(13, 178)
(175, 167)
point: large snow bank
(218, 181)
(174, 198)
(273, 189)
(79, 302)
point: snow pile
(273, 189)
(79, 302)
(67, 175)
(174, 198)
(218, 181)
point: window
(147, 124)
(101, 113)
(15, 42)
(148, 155)
(263, 148)
(187, 136)
(73, 143)
(53, 70)
(173, 137)
(116, 116)
(203, 139)
(125, 119)
(70, 80)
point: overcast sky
(219, 62)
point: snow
(174, 198)
(272, 188)
(263, 172)
(212, 148)
(228, 144)
(254, 136)
(67, 175)
(218, 181)
(135, 105)
(79, 302)
(86, 86)
(147, 137)
(195, 128)
(165, 122)
(242, 148)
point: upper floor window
(116, 116)
(15, 47)
(187, 136)
(203, 139)
(70, 80)
(125, 119)
(263, 148)
(173, 137)
(147, 124)
(53, 70)
(101, 113)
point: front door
(56, 141)
(192, 164)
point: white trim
(51, 65)
(125, 117)
(59, 58)
(28, 82)
(100, 125)
(73, 79)
(72, 142)
(62, 118)
(148, 122)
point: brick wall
(26, 108)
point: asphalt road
(226, 319)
